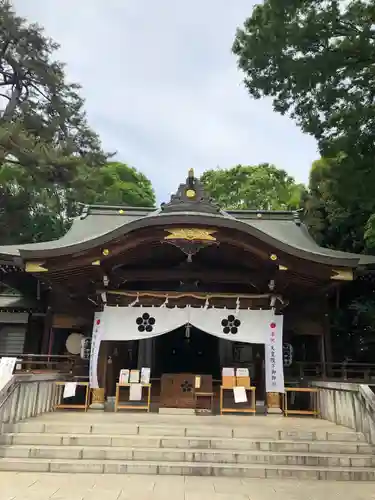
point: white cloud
(162, 87)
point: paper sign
(228, 372)
(134, 377)
(239, 395)
(124, 376)
(242, 372)
(135, 392)
(145, 375)
(69, 390)
(197, 382)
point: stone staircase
(256, 447)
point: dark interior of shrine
(187, 350)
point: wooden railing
(344, 371)
(36, 363)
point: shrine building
(187, 288)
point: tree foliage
(259, 187)
(42, 121)
(50, 159)
(341, 203)
(114, 184)
(315, 59)
(34, 212)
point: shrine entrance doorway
(187, 350)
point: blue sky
(162, 87)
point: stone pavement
(34, 486)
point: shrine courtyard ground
(42, 486)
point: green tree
(42, 123)
(45, 140)
(113, 184)
(341, 202)
(35, 212)
(316, 60)
(258, 187)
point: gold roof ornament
(191, 173)
(35, 267)
(342, 274)
(190, 234)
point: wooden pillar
(323, 355)
(327, 341)
(47, 331)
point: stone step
(192, 430)
(187, 469)
(139, 441)
(187, 455)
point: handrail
(333, 371)
(351, 405)
(46, 362)
(26, 396)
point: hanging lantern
(287, 354)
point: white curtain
(243, 325)
(137, 323)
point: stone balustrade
(27, 396)
(351, 405)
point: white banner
(97, 333)
(243, 325)
(274, 356)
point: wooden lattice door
(177, 390)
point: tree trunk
(12, 104)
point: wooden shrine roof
(100, 225)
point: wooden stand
(97, 399)
(273, 403)
(62, 406)
(205, 390)
(252, 408)
(208, 395)
(129, 405)
(314, 393)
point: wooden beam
(216, 276)
(178, 295)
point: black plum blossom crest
(186, 386)
(230, 324)
(145, 323)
